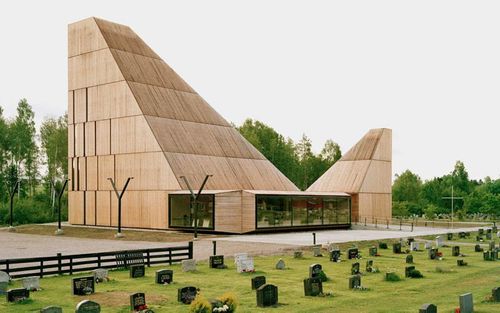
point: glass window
(273, 212)
(182, 211)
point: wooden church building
(131, 115)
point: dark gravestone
(477, 248)
(461, 235)
(83, 286)
(267, 295)
(487, 256)
(164, 277)
(373, 251)
(217, 261)
(352, 253)
(455, 251)
(186, 295)
(4, 282)
(137, 270)
(313, 287)
(396, 247)
(449, 236)
(461, 263)
(466, 303)
(355, 268)
(410, 240)
(488, 230)
(315, 270)
(87, 306)
(488, 236)
(408, 270)
(494, 255)
(354, 281)
(138, 302)
(481, 231)
(16, 295)
(369, 266)
(335, 255)
(382, 245)
(495, 294)
(258, 281)
(428, 308)
(479, 238)
(433, 253)
(492, 245)
(409, 259)
(51, 309)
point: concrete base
(119, 235)
(59, 232)
(12, 229)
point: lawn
(406, 295)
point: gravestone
(487, 256)
(461, 235)
(297, 254)
(477, 248)
(335, 255)
(317, 251)
(87, 306)
(244, 255)
(267, 295)
(466, 303)
(187, 294)
(83, 286)
(439, 241)
(415, 246)
(428, 308)
(492, 245)
(188, 265)
(495, 294)
(101, 275)
(245, 265)
(382, 245)
(408, 270)
(480, 231)
(369, 266)
(396, 247)
(138, 302)
(137, 270)
(455, 251)
(315, 270)
(467, 234)
(479, 238)
(4, 282)
(427, 246)
(449, 236)
(354, 281)
(51, 309)
(488, 236)
(352, 253)
(409, 259)
(32, 283)
(313, 287)
(372, 251)
(355, 268)
(18, 294)
(488, 230)
(410, 240)
(433, 253)
(280, 265)
(164, 277)
(217, 261)
(494, 255)
(258, 281)
(461, 263)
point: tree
(407, 190)
(54, 142)
(331, 152)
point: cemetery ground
(439, 286)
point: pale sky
(430, 70)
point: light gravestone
(495, 294)
(267, 295)
(87, 306)
(317, 251)
(315, 270)
(137, 270)
(188, 265)
(245, 264)
(280, 265)
(32, 283)
(83, 286)
(4, 282)
(163, 277)
(187, 294)
(466, 303)
(427, 246)
(414, 246)
(313, 287)
(439, 241)
(355, 281)
(428, 308)
(17, 295)
(51, 309)
(239, 256)
(101, 275)
(258, 281)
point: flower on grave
(142, 307)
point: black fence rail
(74, 263)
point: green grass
(406, 295)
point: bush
(230, 300)
(200, 305)
(415, 274)
(391, 276)
(322, 275)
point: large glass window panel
(299, 207)
(273, 211)
(181, 214)
(314, 211)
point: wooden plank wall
(247, 212)
(228, 212)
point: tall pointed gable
(193, 137)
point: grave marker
(480, 231)
(495, 294)
(267, 295)
(355, 268)
(4, 282)
(492, 245)
(315, 270)
(17, 295)
(409, 259)
(83, 286)
(461, 263)
(187, 294)
(217, 261)
(461, 235)
(317, 251)
(477, 248)
(466, 303)
(280, 265)
(354, 281)
(32, 283)
(369, 266)
(449, 236)
(433, 253)
(258, 281)
(428, 308)
(439, 241)
(488, 236)
(373, 251)
(164, 277)
(297, 254)
(415, 246)
(87, 306)
(137, 270)
(245, 264)
(427, 246)
(335, 255)
(313, 287)
(455, 251)
(101, 275)
(352, 253)
(188, 265)
(396, 247)
(51, 309)
(138, 302)
(408, 270)
(382, 245)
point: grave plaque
(137, 270)
(87, 306)
(16, 295)
(494, 255)
(495, 294)
(138, 302)
(32, 283)
(433, 253)
(335, 255)
(455, 251)
(267, 295)
(479, 238)
(4, 282)
(373, 251)
(313, 287)
(188, 265)
(492, 245)
(240, 256)
(354, 281)
(477, 248)
(461, 263)
(164, 277)
(428, 308)
(355, 268)
(409, 259)
(408, 270)
(352, 253)
(480, 231)
(317, 251)
(83, 286)
(439, 241)
(396, 247)
(297, 254)
(369, 266)
(245, 265)
(488, 236)
(315, 270)
(414, 246)
(258, 281)
(466, 303)
(461, 235)
(217, 261)
(186, 295)
(427, 245)
(51, 309)
(449, 236)
(101, 275)
(382, 245)
(280, 265)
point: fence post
(59, 265)
(376, 223)
(7, 269)
(387, 221)
(190, 249)
(214, 244)
(412, 226)
(98, 261)
(71, 265)
(170, 256)
(314, 238)
(400, 223)
(148, 258)
(41, 269)
(365, 221)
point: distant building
(131, 115)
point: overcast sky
(430, 70)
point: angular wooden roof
(194, 138)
